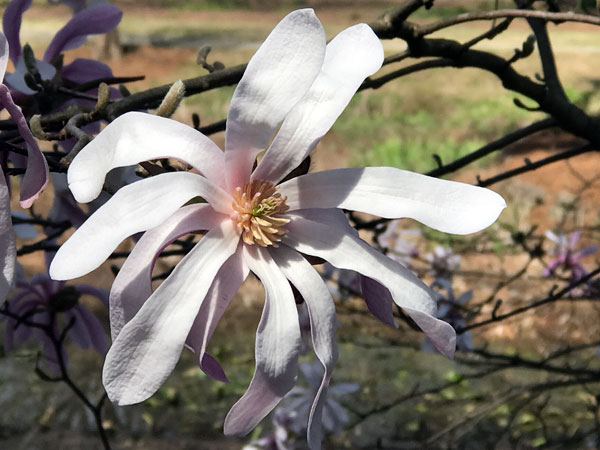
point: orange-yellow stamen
(256, 207)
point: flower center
(256, 208)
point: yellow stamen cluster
(256, 205)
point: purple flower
(399, 242)
(299, 400)
(567, 256)
(36, 169)
(78, 5)
(98, 18)
(443, 262)
(294, 87)
(450, 309)
(52, 303)
(277, 439)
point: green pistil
(265, 207)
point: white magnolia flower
(294, 87)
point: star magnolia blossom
(294, 86)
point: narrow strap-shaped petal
(36, 174)
(82, 70)
(378, 300)
(136, 207)
(277, 76)
(350, 57)
(11, 23)
(16, 80)
(277, 347)
(95, 20)
(447, 206)
(323, 321)
(4, 52)
(133, 283)
(148, 346)
(136, 137)
(346, 251)
(227, 282)
(8, 250)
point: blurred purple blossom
(399, 242)
(450, 309)
(443, 262)
(566, 256)
(96, 18)
(277, 439)
(49, 302)
(299, 400)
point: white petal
(136, 137)
(4, 52)
(8, 250)
(136, 207)
(346, 251)
(277, 76)
(226, 283)
(133, 283)
(393, 193)
(350, 57)
(323, 322)
(148, 347)
(277, 347)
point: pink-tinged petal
(36, 174)
(378, 300)
(148, 346)
(133, 283)
(8, 250)
(346, 251)
(212, 368)
(82, 70)
(95, 20)
(350, 57)
(4, 52)
(136, 207)
(136, 137)
(444, 205)
(277, 347)
(321, 310)
(276, 78)
(227, 282)
(441, 333)
(11, 23)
